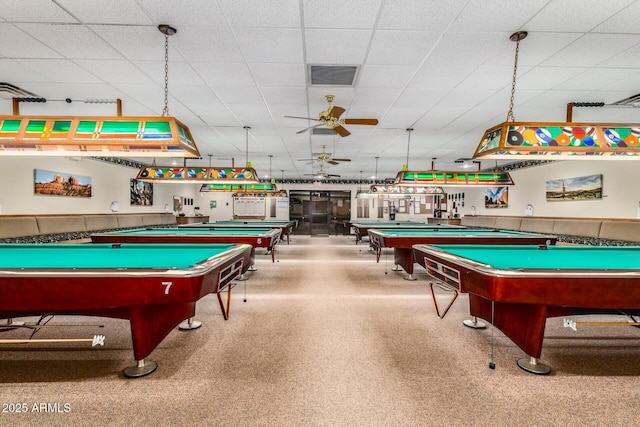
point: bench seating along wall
(58, 228)
(587, 231)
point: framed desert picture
(580, 188)
(61, 184)
(141, 193)
(496, 197)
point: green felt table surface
(193, 232)
(451, 232)
(551, 257)
(107, 256)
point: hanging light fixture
(556, 140)
(123, 136)
(427, 180)
(206, 175)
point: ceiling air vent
(332, 75)
(323, 131)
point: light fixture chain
(513, 84)
(165, 111)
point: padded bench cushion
(18, 227)
(60, 224)
(508, 223)
(620, 230)
(544, 226)
(570, 227)
(100, 222)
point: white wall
(621, 193)
(109, 183)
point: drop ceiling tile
(22, 44)
(59, 70)
(284, 95)
(569, 15)
(230, 74)
(489, 77)
(378, 76)
(545, 78)
(71, 41)
(495, 15)
(114, 71)
(625, 21)
(596, 78)
(21, 74)
(135, 42)
(279, 75)
(340, 14)
(179, 72)
(111, 12)
(419, 14)
(424, 99)
(34, 11)
(626, 59)
(270, 44)
(592, 50)
(273, 13)
(207, 44)
(193, 94)
(238, 94)
(401, 47)
(332, 47)
(252, 114)
(178, 14)
(382, 98)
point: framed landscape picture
(580, 188)
(496, 197)
(61, 184)
(141, 193)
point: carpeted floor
(327, 337)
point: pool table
(402, 241)
(256, 237)
(286, 227)
(361, 228)
(155, 287)
(517, 288)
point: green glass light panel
(94, 136)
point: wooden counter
(191, 219)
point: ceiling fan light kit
(331, 118)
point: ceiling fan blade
(336, 112)
(341, 160)
(307, 160)
(304, 118)
(311, 127)
(332, 162)
(371, 122)
(340, 130)
(332, 176)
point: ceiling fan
(322, 174)
(331, 118)
(325, 157)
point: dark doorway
(320, 212)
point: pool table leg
(225, 310)
(190, 324)
(141, 369)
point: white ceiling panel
(270, 44)
(444, 68)
(71, 41)
(33, 11)
(420, 14)
(401, 47)
(386, 76)
(113, 11)
(22, 44)
(591, 50)
(272, 13)
(179, 14)
(340, 14)
(560, 14)
(279, 75)
(332, 47)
